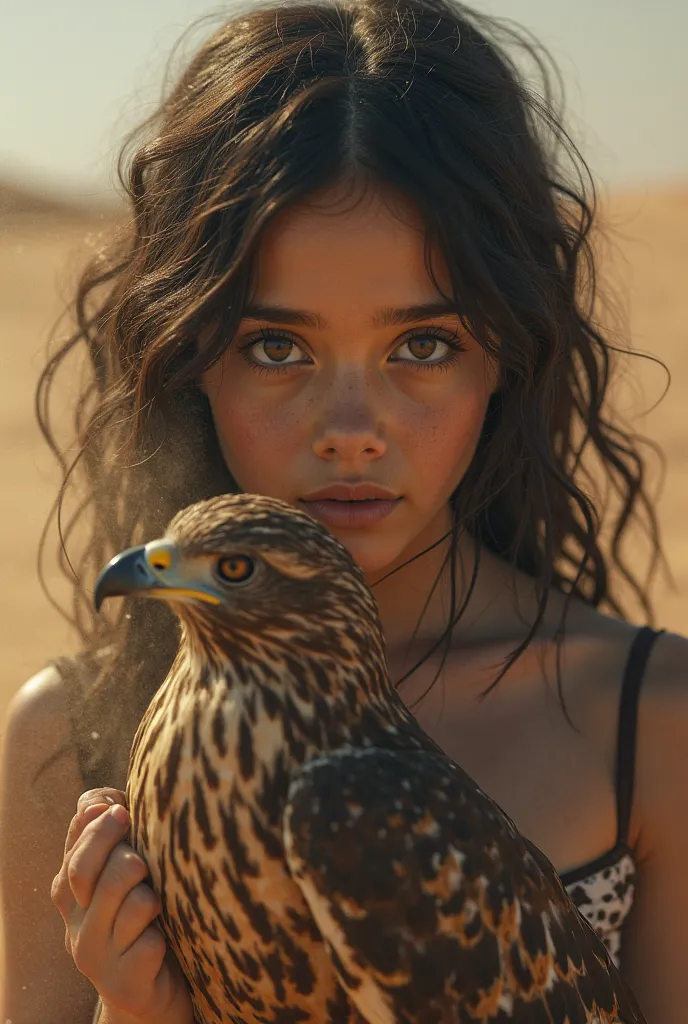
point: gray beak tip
(125, 574)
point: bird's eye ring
(235, 568)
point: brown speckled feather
(318, 857)
(436, 907)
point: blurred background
(76, 76)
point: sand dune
(41, 250)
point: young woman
(357, 278)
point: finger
(148, 952)
(102, 798)
(123, 871)
(72, 919)
(139, 909)
(87, 860)
(62, 891)
(80, 820)
(141, 976)
(91, 931)
(103, 794)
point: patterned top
(604, 896)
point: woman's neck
(501, 608)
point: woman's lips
(350, 513)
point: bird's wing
(433, 906)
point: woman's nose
(351, 423)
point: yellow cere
(159, 558)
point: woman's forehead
(310, 255)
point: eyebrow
(386, 317)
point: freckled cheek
(259, 440)
(440, 440)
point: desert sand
(42, 247)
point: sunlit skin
(348, 398)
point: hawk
(318, 857)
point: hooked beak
(127, 573)
(148, 570)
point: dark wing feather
(433, 906)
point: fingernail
(120, 814)
(92, 812)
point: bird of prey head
(241, 570)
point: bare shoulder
(40, 770)
(668, 667)
(46, 685)
(37, 748)
(37, 716)
(662, 742)
(662, 722)
(36, 807)
(663, 707)
(655, 943)
(599, 650)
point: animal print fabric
(605, 898)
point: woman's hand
(110, 914)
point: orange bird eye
(235, 569)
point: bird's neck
(268, 674)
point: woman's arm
(655, 941)
(41, 982)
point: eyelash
(452, 341)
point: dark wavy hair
(281, 101)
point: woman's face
(344, 383)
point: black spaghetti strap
(628, 718)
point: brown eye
(278, 349)
(422, 347)
(236, 569)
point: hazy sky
(76, 74)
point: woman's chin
(384, 548)
(374, 555)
